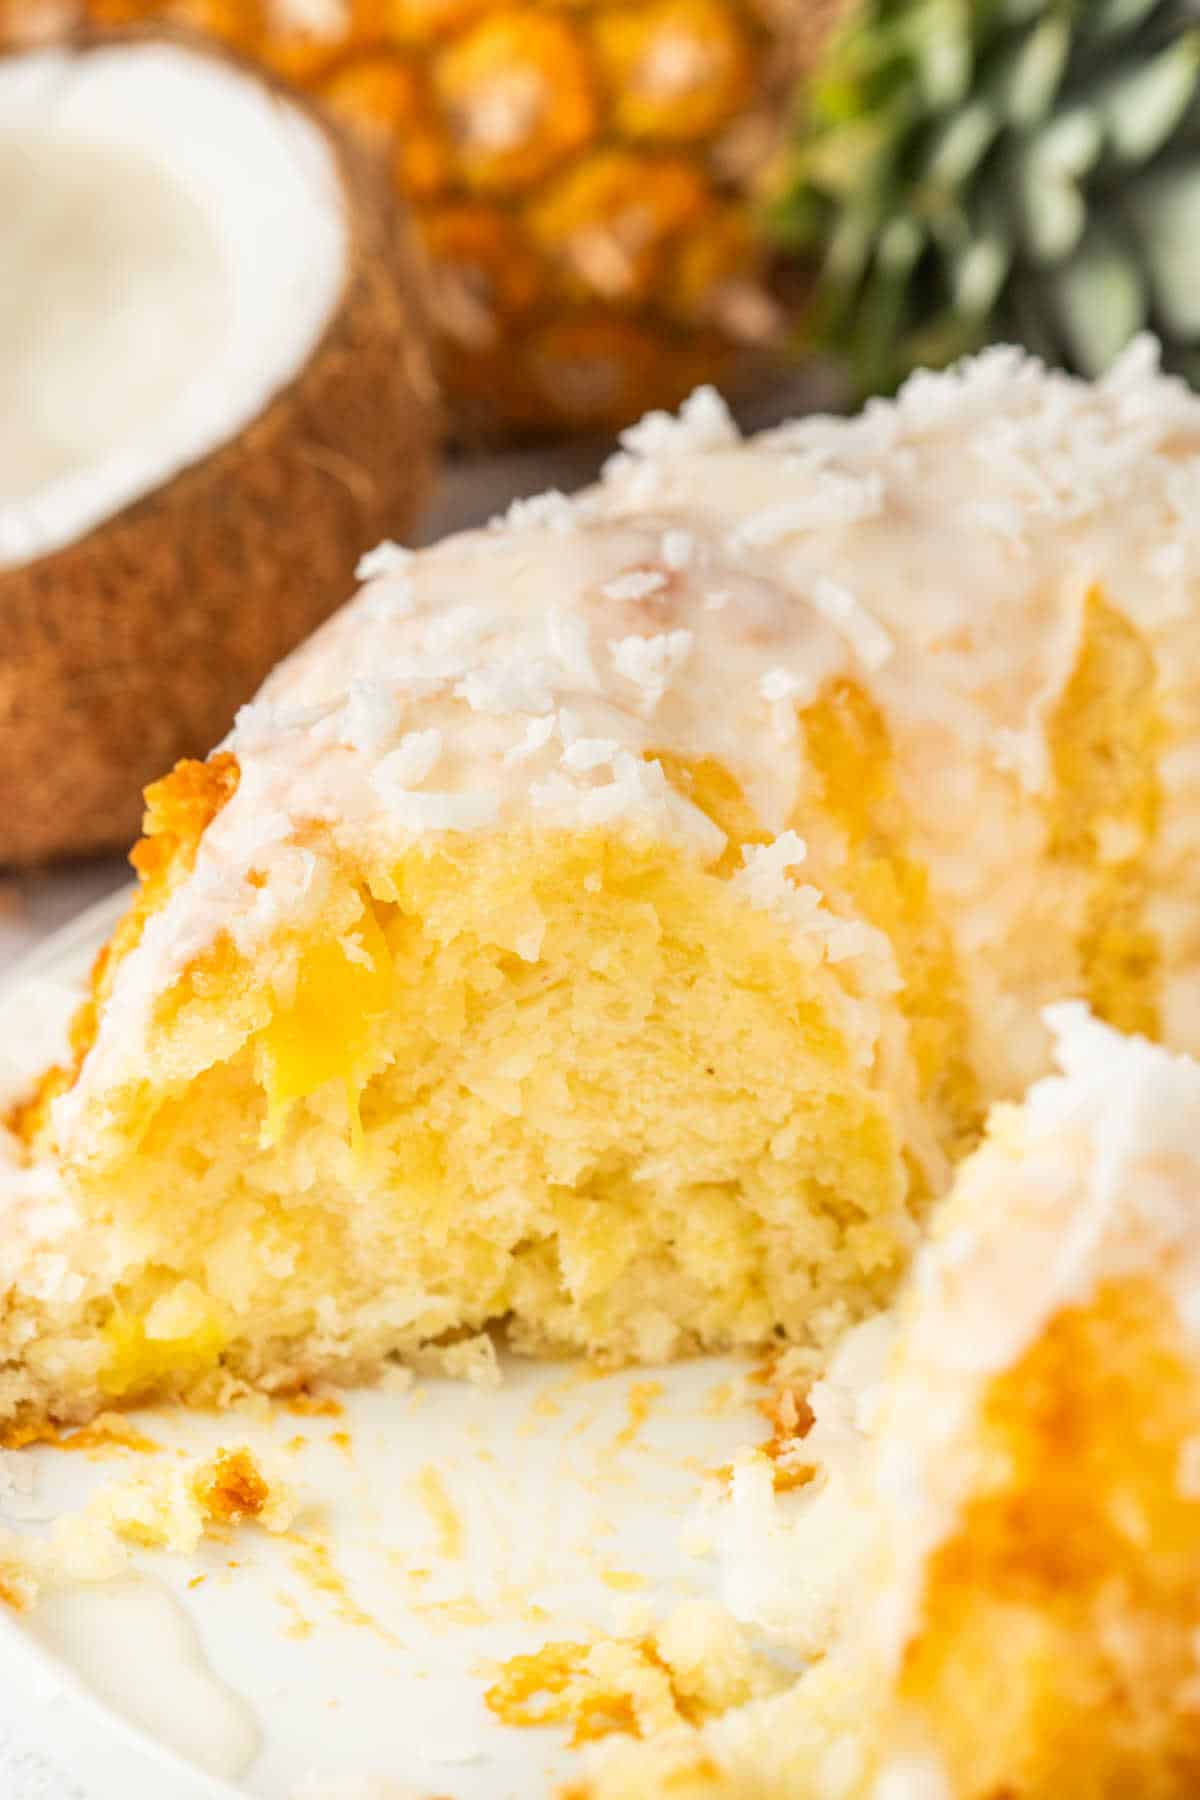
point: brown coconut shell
(135, 644)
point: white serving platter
(442, 1527)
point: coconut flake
(569, 644)
(457, 631)
(538, 733)
(354, 950)
(1003, 517)
(553, 511)
(703, 422)
(516, 685)
(866, 636)
(261, 724)
(1137, 367)
(650, 662)
(392, 597)
(635, 584)
(780, 684)
(583, 754)
(763, 879)
(765, 866)
(677, 548)
(638, 794)
(387, 558)
(370, 718)
(409, 764)
(833, 500)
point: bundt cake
(615, 923)
(1020, 1614)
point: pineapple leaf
(1117, 17)
(1143, 106)
(961, 143)
(1164, 212)
(1051, 207)
(973, 168)
(978, 275)
(1099, 297)
(1034, 71)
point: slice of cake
(614, 922)
(1024, 1612)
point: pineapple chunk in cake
(613, 925)
(1021, 1616)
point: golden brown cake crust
(179, 809)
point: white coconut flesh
(173, 245)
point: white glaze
(939, 549)
(166, 1686)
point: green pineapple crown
(972, 170)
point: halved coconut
(214, 393)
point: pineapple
(580, 170)
(966, 170)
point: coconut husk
(134, 645)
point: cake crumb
(443, 1513)
(107, 1431)
(231, 1488)
(313, 1406)
(313, 1561)
(642, 1395)
(170, 1509)
(695, 1666)
(110, 1431)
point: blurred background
(279, 278)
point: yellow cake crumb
(694, 1666)
(169, 1508)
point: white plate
(446, 1526)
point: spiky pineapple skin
(968, 170)
(581, 172)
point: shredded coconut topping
(371, 716)
(637, 792)
(764, 879)
(833, 500)
(635, 585)
(391, 597)
(388, 558)
(538, 733)
(568, 643)
(556, 511)
(704, 422)
(678, 548)
(866, 637)
(650, 662)
(583, 754)
(514, 686)
(410, 763)
(935, 552)
(780, 684)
